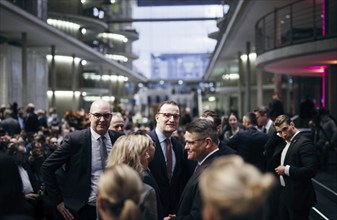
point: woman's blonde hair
(119, 188)
(129, 149)
(234, 189)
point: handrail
(298, 22)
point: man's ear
(218, 127)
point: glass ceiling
(173, 37)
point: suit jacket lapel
(87, 143)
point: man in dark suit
(166, 166)
(299, 161)
(31, 121)
(83, 153)
(201, 140)
(249, 142)
(264, 121)
(9, 124)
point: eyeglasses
(169, 115)
(193, 142)
(99, 115)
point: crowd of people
(98, 165)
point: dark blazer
(149, 180)
(75, 153)
(189, 165)
(272, 152)
(303, 160)
(11, 126)
(249, 144)
(169, 190)
(189, 206)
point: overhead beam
(129, 20)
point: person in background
(298, 164)
(234, 127)
(117, 122)
(186, 117)
(167, 164)
(325, 135)
(118, 199)
(232, 190)
(31, 121)
(84, 154)
(13, 204)
(275, 107)
(264, 122)
(249, 142)
(53, 144)
(32, 187)
(10, 125)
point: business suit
(170, 190)
(189, 206)
(189, 165)
(75, 153)
(11, 126)
(249, 144)
(298, 195)
(149, 180)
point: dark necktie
(103, 151)
(169, 157)
(265, 130)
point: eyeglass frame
(169, 115)
(98, 116)
(189, 143)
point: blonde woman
(132, 149)
(234, 190)
(119, 189)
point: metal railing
(298, 22)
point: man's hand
(64, 211)
(169, 217)
(32, 196)
(280, 170)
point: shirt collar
(292, 138)
(208, 155)
(161, 136)
(269, 123)
(96, 135)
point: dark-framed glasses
(169, 115)
(193, 142)
(99, 115)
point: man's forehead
(169, 107)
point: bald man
(117, 122)
(83, 154)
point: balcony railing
(299, 22)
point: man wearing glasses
(166, 166)
(84, 154)
(201, 144)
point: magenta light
(323, 86)
(323, 17)
(315, 68)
